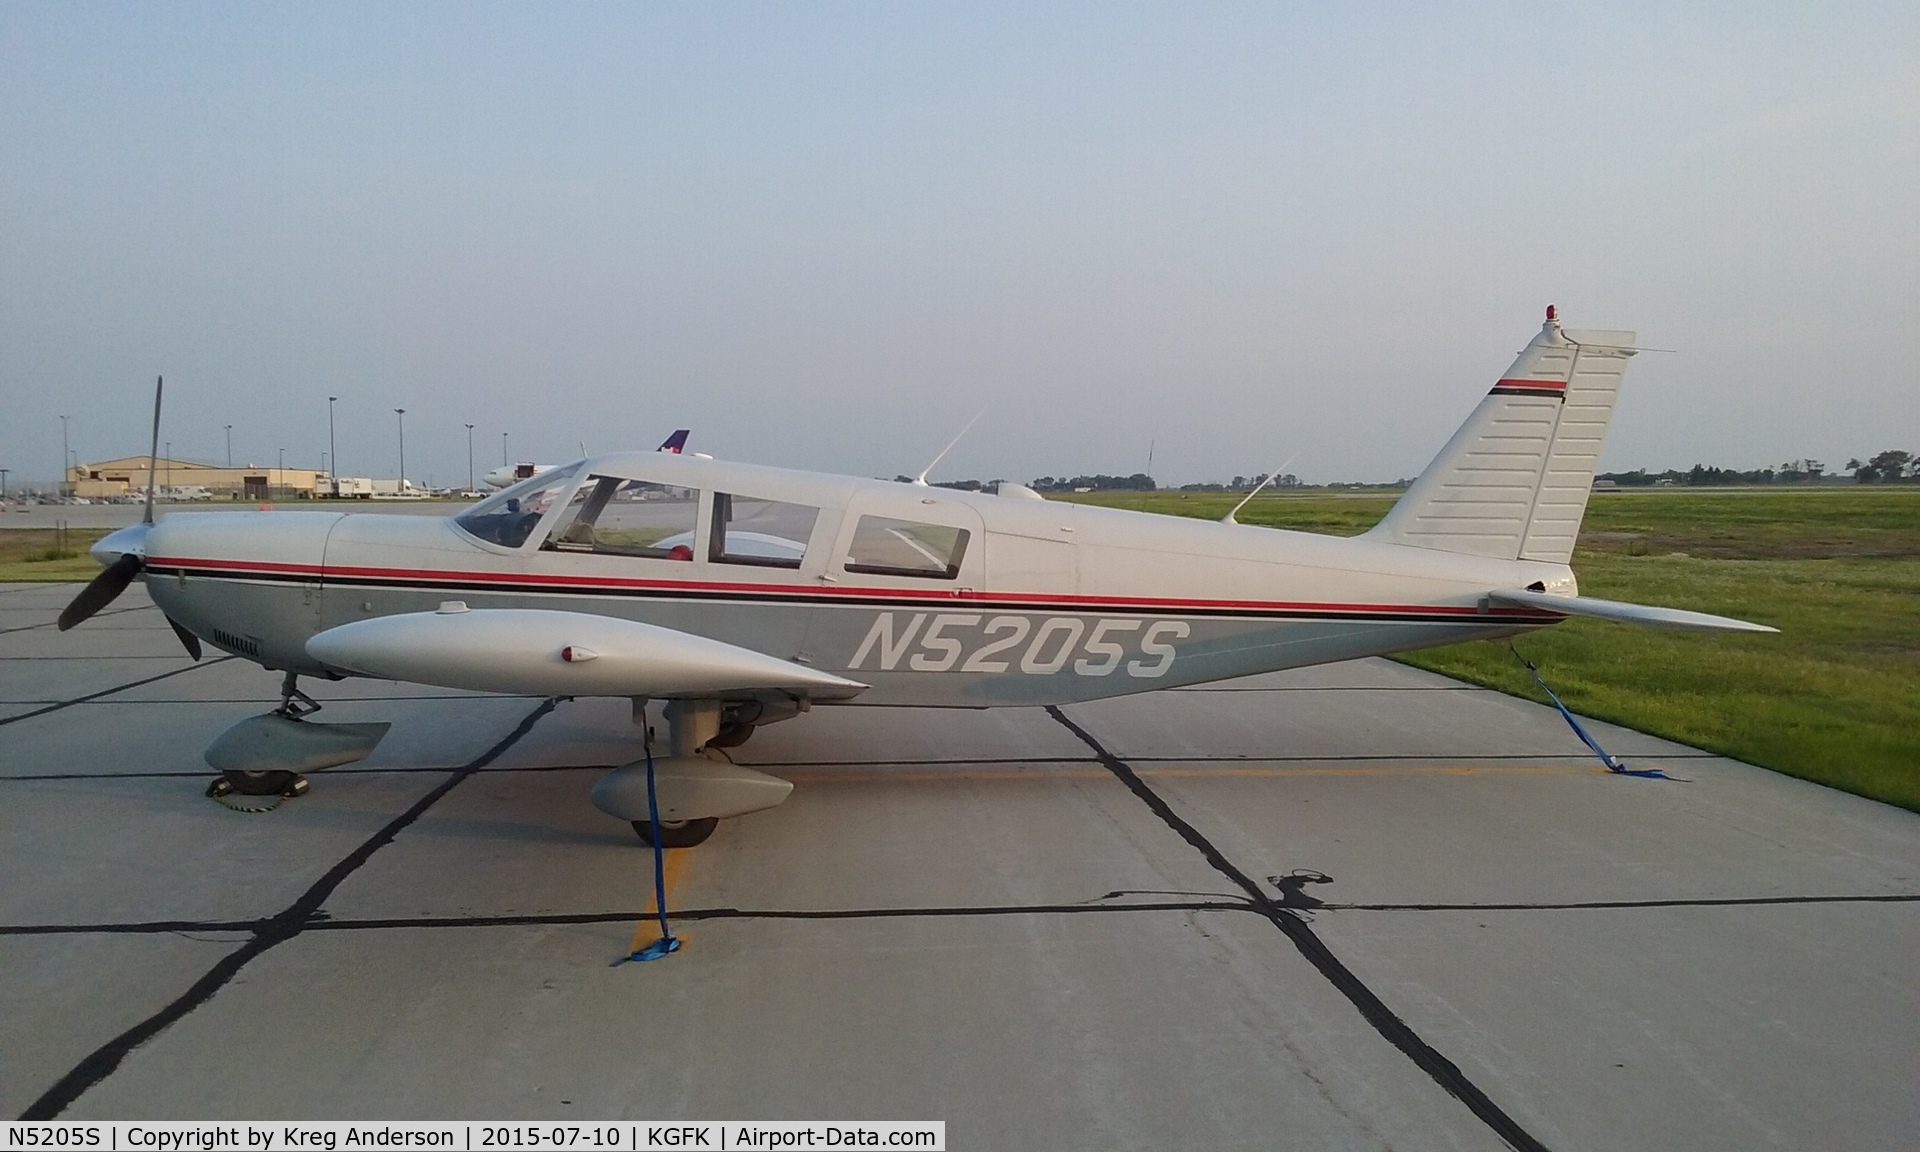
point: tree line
(1889, 467)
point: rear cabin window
(886, 547)
(614, 517)
(751, 530)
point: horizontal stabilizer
(540, 652)
(1619, 613)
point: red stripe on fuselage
(534, 582)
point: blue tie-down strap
(668, 944)
(1613, 763)
(665, 946)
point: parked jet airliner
(510, 474)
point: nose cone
(128, 541)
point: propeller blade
(102, 592)
(187, 639)
(152, 457)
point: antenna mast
(1271, 477)
(920, 481)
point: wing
(1620, 613)
(539, 652)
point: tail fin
(674, 443)
(1513, 482)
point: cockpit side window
(615, 517)
(752, 530)
(509, 517)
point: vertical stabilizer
(1513, 482)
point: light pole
(3, 482)
(402, 414)
(64, 476)
(469, 457)
(280, 473)
(229, 446)
(333, 452)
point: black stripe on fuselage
(843, 600)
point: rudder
(1513, 482)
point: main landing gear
(692, 728)
(695, 785)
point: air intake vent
(238, 645)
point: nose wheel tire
(677, 833)
(256, 791)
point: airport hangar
(125, 475)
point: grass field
(34, 554)
(1834, 698)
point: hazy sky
(824, 236)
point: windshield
(511, 516)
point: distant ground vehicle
(351, 488)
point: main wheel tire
(731, 736)
(678, 834)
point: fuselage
(930, 596)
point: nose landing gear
(294, 703)
(261, 759)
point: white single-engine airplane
(744, 595)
